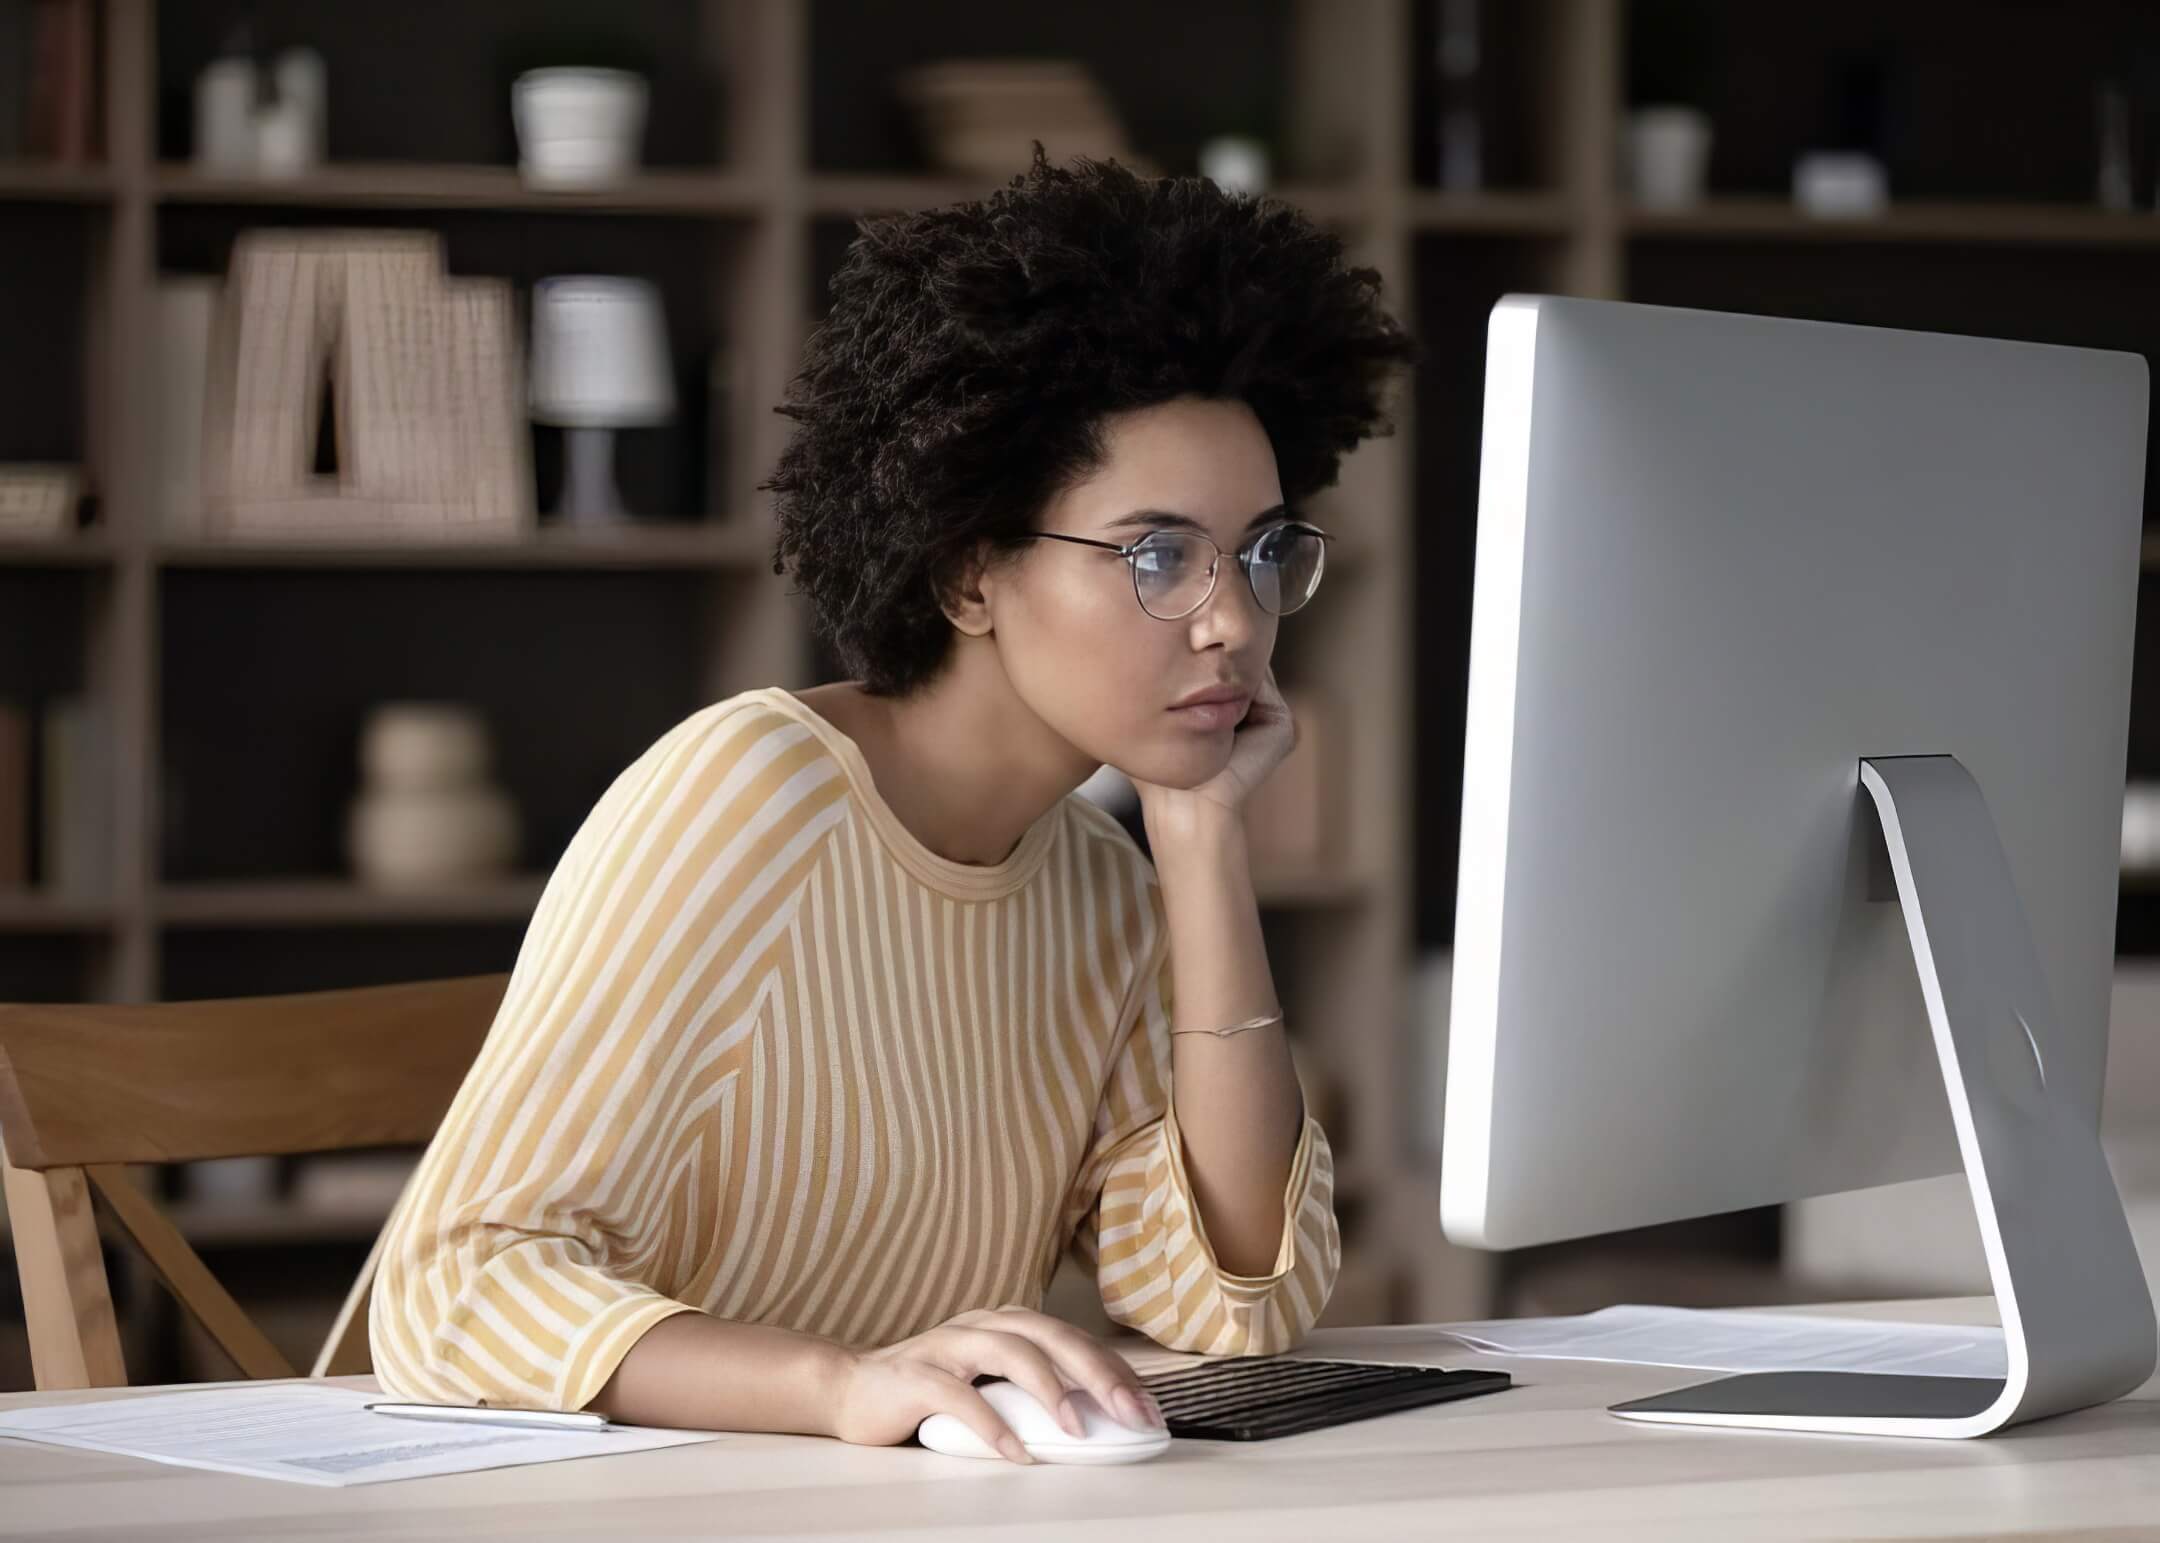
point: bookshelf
(741, 217)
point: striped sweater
(766, 1055)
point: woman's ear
(965, 602)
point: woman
(843, 1016)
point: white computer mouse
(1107, 1440)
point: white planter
(578, 127)
(413, 745)
(420, 839)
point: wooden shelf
(844, 195)
(33, 911)
(339, 902)
(1346, 928)
(422, 185)
(1490, 214)
(1974, 224)
(54, 182)
(684, 545)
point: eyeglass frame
(1243, 555)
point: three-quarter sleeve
(557, 1206)
(1139, 1229)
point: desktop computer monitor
(1798, 705)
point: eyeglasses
(1173, 571)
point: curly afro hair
(962, 375)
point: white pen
(481, 1414)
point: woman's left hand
(1257, 747)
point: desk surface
(1542, 1460)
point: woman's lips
(1208, 717)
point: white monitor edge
(1488, 748)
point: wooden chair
(86, 1089)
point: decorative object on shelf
(1461, 166)
(75, 799)
(423, 370)
(252, 122)
(1236, 163)
(185, 309)
(291, 126)
(1840, 185)
(427, 814)
(1845, 175)
(61, 120)
(980, 117)
(2141, 828)
(14, 796)
(578, 127)
(599, 363)
(38, 500)
(1668, 151)
(2113, 180)
(1290, 823)
(225, 93)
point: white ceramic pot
(578, 127)
(431, 837)
(1840, 185)
(419, 745)
(1668, 156)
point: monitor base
(2077, 1319)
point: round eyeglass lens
(1171, 574)
(1285, 567)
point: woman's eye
(1160, 558)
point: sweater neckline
(961, 881)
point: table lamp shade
(600, 354)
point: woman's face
(1075, 643)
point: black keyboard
(1252, 1398)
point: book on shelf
(38, 501)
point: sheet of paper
(1726, 1340)
(310, 1433)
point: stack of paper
(1734, 1341)
(310, 1433)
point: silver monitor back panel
(1721, 558)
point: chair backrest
(86, 1089)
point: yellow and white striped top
(766, 1055)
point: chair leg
(74, 1339)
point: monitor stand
(2077, 1318)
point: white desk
(1539, 1461)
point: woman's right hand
(884, 1394)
